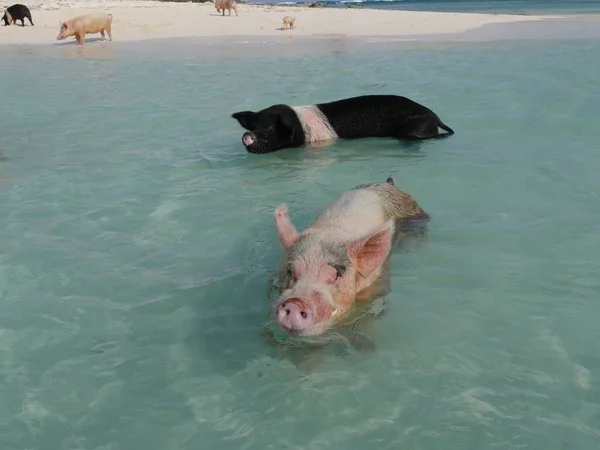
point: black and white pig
(283, 126)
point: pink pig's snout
(294, 314)
(248, 139)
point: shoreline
(196, 50)
(135, 21)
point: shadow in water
(341, 150)
(102, 50)
(321, 154)
(409, 235)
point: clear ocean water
(137, 241)
(474, 6)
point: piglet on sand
(339, 256)
(17, 12)
(96, 22)
(222, 5)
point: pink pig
(86, 24)
(339, 256)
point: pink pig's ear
(369, 252)
(285, 229)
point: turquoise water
(471, 6)
(137, 241)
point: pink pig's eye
(339, 271)
(292, 277)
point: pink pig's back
(224, 3)
(353, 215)
(91, 23)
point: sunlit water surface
(137, 241)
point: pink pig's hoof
(281, 212)
(294, 315)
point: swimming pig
(17, 12)
(88, 23)
(283, 126)
(339, 256)
(226, 5)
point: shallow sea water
(137, 240)
(485, 6)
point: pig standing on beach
(17, 12)
(284, 126)
(339, 256)
(86, 24)
(288, 22)
(226, 5)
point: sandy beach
(142, 20)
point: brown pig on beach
(96, 22)
(339, 256)
(226, 5)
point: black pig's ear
(247, 119)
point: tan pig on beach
(288, 22)
(86, 24)
(222, 5)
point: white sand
(140, 20)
